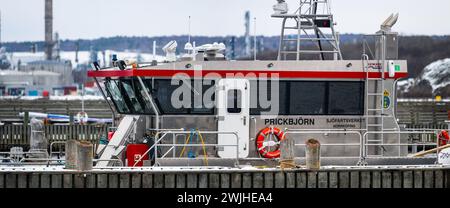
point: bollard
(71, 154)
(85, 156)
(287, 147)
(312, 154)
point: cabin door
(233, 106)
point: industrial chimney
(48, 29)
(0, 29)
(247, 35)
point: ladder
(117, 144)
(309, 30)
(374, 101)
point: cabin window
(346, 98)
(311, 98)
(307, 98)
(203, 99)
(142, 96)
(135, 103)
(135, 97)
(163, 95)
(261, 103)
(116, 96)
(200, 98)
(234, 101)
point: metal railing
(399, 143)
(51, 147)
(19, 135)
(360, 144)
(364, 144)
(177, 132)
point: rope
(184, 148)
(189, 140)
(287, 164)
(191, 153)
(204, 147)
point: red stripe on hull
(232, 73)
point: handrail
(203, 132)
(399, 144)
(51, 147)
(182, 131)
(360, 144)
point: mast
(254, 41)
(307, 32)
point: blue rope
(191, 153)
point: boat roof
(345, 69)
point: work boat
(203, 110)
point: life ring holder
(82, 117)
(261, 144)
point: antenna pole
(189, 30)
(154, 50)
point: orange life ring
(444, 138)
(260, 142)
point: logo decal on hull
(290, 122)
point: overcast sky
(23, 20)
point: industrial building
(31, 83)
(38, 75)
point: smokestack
(0, 29)
(48, 29)
(77, 48)
(247, 35)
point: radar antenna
(314, 31)
(389, 22)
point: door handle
(245, 120)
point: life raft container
(444, 138)
(262, 145)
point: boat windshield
(116, 96)
(130, 97)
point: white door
(233, 105)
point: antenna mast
(314, 35)
(255, 48)
(189, 30)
